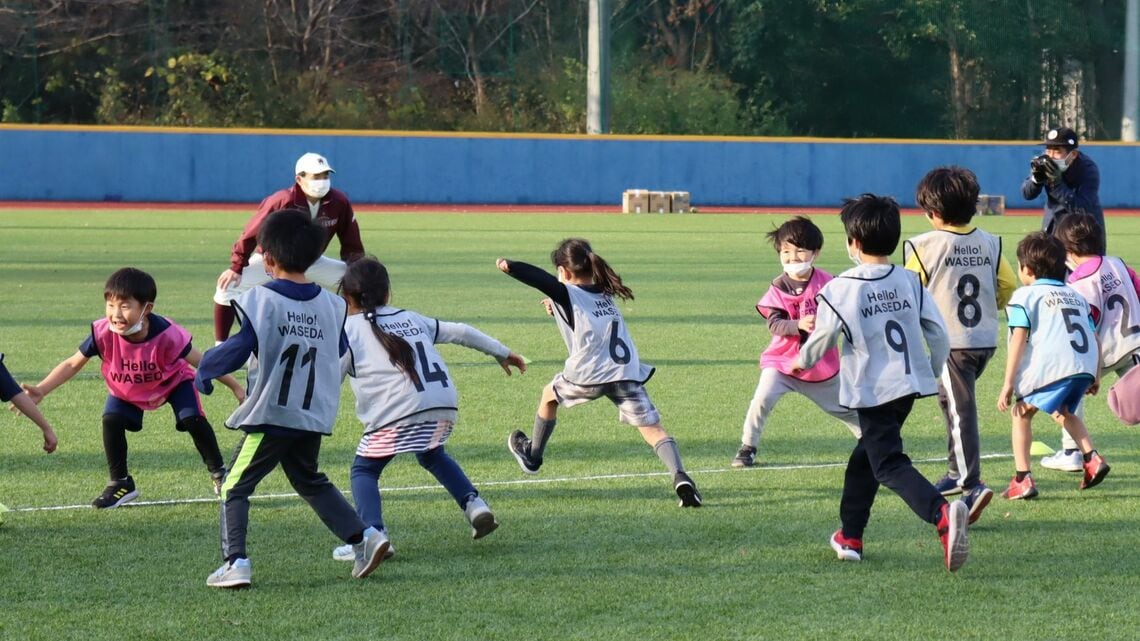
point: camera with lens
(1041, 166)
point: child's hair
(1080, 234)
(1043, 255)
(129, 282)
(799, 231)
(367, 286)
(874, 221)
(950, 191)
(575, 256)
(292, 239)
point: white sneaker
(1064, 462)
(345, 553)
(481, 518)
(231, 575)
(369, 552)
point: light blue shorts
(1065, 393)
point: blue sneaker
(947, 486)
(977, 498)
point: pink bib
(783, 350)
(143, 373)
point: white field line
(523, 481)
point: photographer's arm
(1082, 195)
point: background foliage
(900, 68)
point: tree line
(962, 69)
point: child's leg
(772, 386)
(956, 395)
(365, 482)
(299, 461)
(859, 489)
(449, 474)
(255, 456)
(663, 446)
(1022, 437)
(825, 394)
(545, 419)
(882, 441)
(190, 419)
(1076, 428)
(115, 428)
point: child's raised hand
(503, 265)
(513, 359)
(807, 323)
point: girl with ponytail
(405, 396)
(603, 360)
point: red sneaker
(1095, 471)
(952, 533)
(1025, 489)
(847, 549)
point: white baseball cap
(312, 163)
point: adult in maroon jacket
(329, 207)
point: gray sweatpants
(774, 384)
(258, 454)
(957, 396)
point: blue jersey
(1062, 337)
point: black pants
(960, 409)
(256, 456)
(878, 458)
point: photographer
(1070, 179)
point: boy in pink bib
(146, 362)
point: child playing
(405, 395)
(295, 332)
(884, 315)
(1113, 294)
(603, 360)
(10, 391)
(789, 308)
(1052, 359)
(970, 281)
(148, 361)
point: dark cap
(1061, 137)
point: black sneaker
(746, 457)
(686, 490)
(519, 445)
(116, 493)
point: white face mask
(1063, 163)
(316, 188)
(854, 256)
(133, 329)
(797, 269)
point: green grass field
(594, 547)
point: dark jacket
(1078, 191)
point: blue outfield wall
(212, 165)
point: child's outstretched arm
(934, 331)
(228, 357)
(828, 325)
(27, 407)
(539, 279)
(194, 357)
(58, 376)
(1017, 339)
(467, 336)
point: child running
(603, 360)
(148, 362)
(884, 315)
(970, 281)
(789, 308)
(295, 332)
(1052, 360)
(10, 390)
(405, 395)
(1113, 294)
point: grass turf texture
(581, 554)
